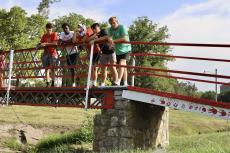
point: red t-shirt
(2, 61)
(89, 32)
(46, 38)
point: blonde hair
(113, 18)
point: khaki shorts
(108, 59)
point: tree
(43, 7)
(187, 89)
(73, 20)
(19, 31)
(224, 96)
(143, 29)
(211, 95)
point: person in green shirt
(118, 33)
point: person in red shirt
(2, 67)
(49, 56)
(84, 35)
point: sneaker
(102, 84)
(125, 83)
(92, 84)
(115, 83)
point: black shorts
(96, 58)
(71, 59)
(123, 56)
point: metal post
(133, 77)
(89, 76)
(10, 75)
(216, 84)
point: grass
(46, 116)
(204, 143)
(79, 136)
(13, 144)
(186, 123)
(189, 132)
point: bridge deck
(99, 97)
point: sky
(188, 21)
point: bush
(82, 135)
(225, 96)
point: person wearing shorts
(71, 51)
(118, 33)
(85, 35)
(2, 67)
(49, 56)
(108, 55)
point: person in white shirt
(71, 51)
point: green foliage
(13, 144)
(143, 29)
(211, 95)
(224, 96)
(19, 31)
(73, 20)
(82, 135)
(56, 149)
(187, 89)
(204, 143)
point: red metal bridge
(24, 74)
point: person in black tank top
(108, 53)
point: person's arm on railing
(54, 42)
(101, 39)
(49, 44)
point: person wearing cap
(108, 54)
(71, 52)
(49, 56)
(118, 33)
(2, 67)
(84, 35)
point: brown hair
(113, 18)
(49, 25)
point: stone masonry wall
(130, 125)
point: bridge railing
(27, 65)
(27, 62)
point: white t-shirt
(70, 49)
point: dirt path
(13, 130)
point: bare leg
(52, 76)
(125, 76)
(122, 70)
(104, 74)
(114, 71)
(73, 76)
(47, 72)
(115, 74)
(94, 75)
(1, 79)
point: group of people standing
(108, 49)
